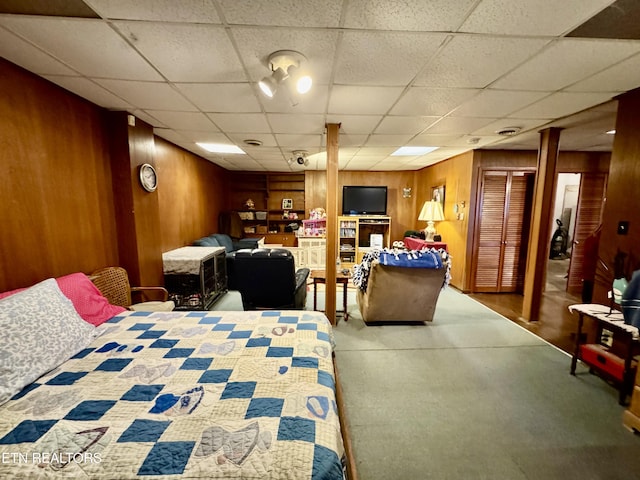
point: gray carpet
(474, 396)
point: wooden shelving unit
(354, 234)
(268, 190)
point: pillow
(41, 329)
(87, 299)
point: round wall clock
(148, 177)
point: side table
(320, 276)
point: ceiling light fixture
(299, 157)
(220, 148)
(412, 151)
(286, 68)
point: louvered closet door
(488, 252)
(515, 232)
(588, 217)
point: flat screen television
(364, 200)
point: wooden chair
(113, 283)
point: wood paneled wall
(56, 201)
(191, 193)
(623, 195)
(400, 209)
(457, 175)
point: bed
(170, 395)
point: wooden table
(319, 276)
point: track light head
(285, 65)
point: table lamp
(431, 212)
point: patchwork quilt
(184, 395)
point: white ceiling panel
(431, 101)
(184, 120)
(22, 53)
(184, 11)
(533, 17)
(256, 44)
(561, 104)
(402, 125)
(383, 58)
(147, 95)
(619, 78)
(351, 99)
(351, 124)
(221, 97)
(74, 42)
(416, 15)
(440, 73)
(476, 61)
(565, 62)
(90, 91)
(290, 13)
(287, 123)
(492, 103)
(461, 125)
(186, 52)
(241, 122)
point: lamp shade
(431, 212)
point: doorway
(563, 231)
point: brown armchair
(400, 294)
(113, 283)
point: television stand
(359, 234)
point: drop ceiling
(443, 73)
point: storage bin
(261, 215)
(246, 215)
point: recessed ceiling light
(220, 148)
(413, 151)
(611, 132)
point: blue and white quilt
(184, 395)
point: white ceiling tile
(561, 104)
(147, 95)
(496, 103)
(198, 136)
(73, 41)
(91, 91)
(186, 53)
(286, 123)
(476, 61)
(375, 151)
(315, 101)
(170, 135)
(145, 117)
(355, 124)
(241, 122)
(431, 101)
(221, 97)
(292, 13)
(430, 140)
(295, 142)
(16, 50)
(404, 125)
(352, 140)
(362, 100)
(388, 140)
(533, 17)
(267, 139)
(619, 78)
(383, 58)
(184, 120)
(457, 125)
(565, 62)
(190, 11)
(256, 44)
(522, 123)
(434, 15)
